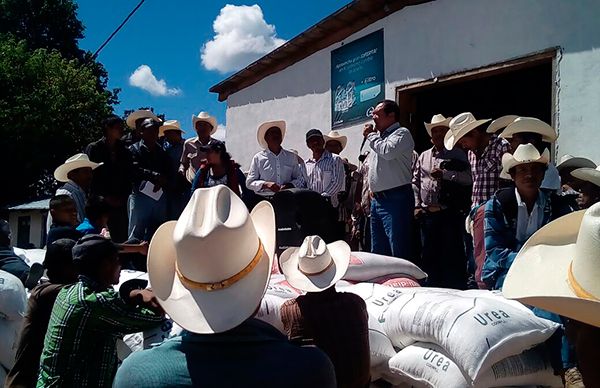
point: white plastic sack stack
(278, 286)
(270, 311)
(380, 348)
(371, 267)
(475, 332)
(427, 365)
(13, 303)
(31, 255)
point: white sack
(365, 266)
(13, 299)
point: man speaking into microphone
(390, 177)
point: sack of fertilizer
(475, 332)
(3, 373)
(424, 365)
(13, 299)
(10, 332)
(401, 283)
(371, 267)
(278, 286)
(380, 348)
(31, 256)
(269, 311)
(144, 340)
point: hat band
(577, 288)
(223, 283)
(315, 273)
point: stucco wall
(441, 37)
(35, 232)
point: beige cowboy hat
(588, 174)
(525, 153)
(140, 114)
(500, 123)
(567, 161)
(204, 116)
(437, 121)
(73, 163)
(459, 126)
(169, 125)
(315, 266)
(530, 124)
(264, 127)
(335, 136)
(204, 282)
(559, 266)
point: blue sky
(168, 37)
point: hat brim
(139, 114)
(539, 274)
(289, 260)
(342, 139)
(445, 123)
(576, 162)
(512, 162)
(587, 174)
(548, 133)
(500, 123)
(207, 312)
(211, 120)
(451, 138)
(164, 128)
(264, 127)
(61, 173)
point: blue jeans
(146, 215)
(392, 215)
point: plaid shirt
(80, 345)
(486, 169)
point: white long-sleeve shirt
(269, 167)
(326, 176)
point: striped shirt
(326, 176)
(486, 169)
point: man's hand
(274, 187)
(287, 186)
(144, 248)
(146, 298)
(368, 129)
(437, 173)
(419, 213)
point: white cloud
(220, 133)
(241, 36)
(144, 79)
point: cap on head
(149, 123)
(93, 247)
(314, 133)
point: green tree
(50, 108)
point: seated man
(513, 215)
(97, 213)
(61, 272)
(12, 263)
(215, 302)
(273, 168)
(64, 219)
(590, 186)
(335, 322)
(88, 318)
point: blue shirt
(86, 227)
(254, 354)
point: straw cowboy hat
(335, 136)
(500, 123)
(170, 125)
(437, 121)
(73, 163)
(264, 127)
(525, 153)
(530, 124)
(203, 281)
(204, 116)
(315, 266)
(459, 126)
(567, 161)
(588, 174)
(140, 114)
(559, 266)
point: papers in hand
(148, 188)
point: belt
(384, 193)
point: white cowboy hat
(437, 121)
(459, 126)
(530, 124)
(500, 123)
(525, 153)
(203, 281)
(315, 266)
(140, 114)
(335, 136)
(73, 163)
(204, 116)
(587, 174)
(264, 127)
(567, 161)
(559, 266)
(169, 125)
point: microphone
(364, 140)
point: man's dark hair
(533, 138)
(390, 106)
(111, 121)
(59, 201)
(58, 256)
(95, 208)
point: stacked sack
(13, 303)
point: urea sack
(401, 283)
(428, 365)
(10, 331)
(2, 376)
(475, 332)
(269, 311)
(365, 266)
(278, 286)
(13, 299)
(380, 348)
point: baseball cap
(93, 247)
(313, 132)
(149, 123)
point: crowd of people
(462, 209)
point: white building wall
(38, 220)
(432, 39)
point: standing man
(179, 186)
(205, 126)
(134, 120)
(390, 177)
(112, 180)
(324, 170)
(274, 168)
(148, 201)
(485, 152)
(441, 179)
